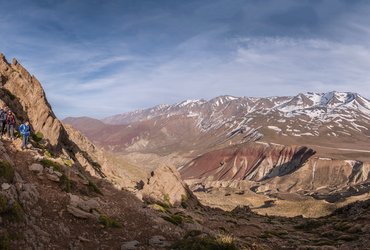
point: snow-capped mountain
(200, 125)
(308, 114)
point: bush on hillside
(37, 137)
(6, 171)
(55, 165)
(222, 242)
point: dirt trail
(343, 149)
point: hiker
(25, 131)
(2, 121)
(10, 123)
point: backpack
(2, 115)
(24, 130)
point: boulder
(36, 168)
(28, 195)
(85, 205)
(5, 186)
(53, 177)
(80, 213)
(159, 241)
(166, 187)
(130, 245)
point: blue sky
(99, 58)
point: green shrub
(109, 222)
(15, 212)
(166, 199)
(206, 243)
(66, 184)
(94, 188)
(309, 225)
(173, 218)
(4, 240)
(160, 208)
(3, 204)
(49, 154)
(68, 162)
(17, 134)
(37, 137)
(55, 165)
(6, 170)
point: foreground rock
(165, 186)
(83, 208)
(38, 168)
(130, 245)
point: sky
(103, 57)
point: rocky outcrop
(323, 177)
(27, 97)
(23, 93)
(252, 161)
(82, 208)
(165, 186)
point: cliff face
(29, 99)
(323, 177)
(247, 162)
(23, 94)
(272, 170)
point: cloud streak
(124, 55)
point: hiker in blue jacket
(25, 131)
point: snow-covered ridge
(306, 112)
(190, 102)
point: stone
(83, 239)
(36, 168)
(89, 205)
(18, 178)
(28, 195)
(74, 200)
(159, 241)
(57, 173)
(80, 213)
(5, 186)
(130, 245)
(53, 177)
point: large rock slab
(165, 186)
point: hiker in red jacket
(10, 123)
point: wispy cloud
(123, 55)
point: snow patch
(277, 129)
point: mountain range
(330, 120)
